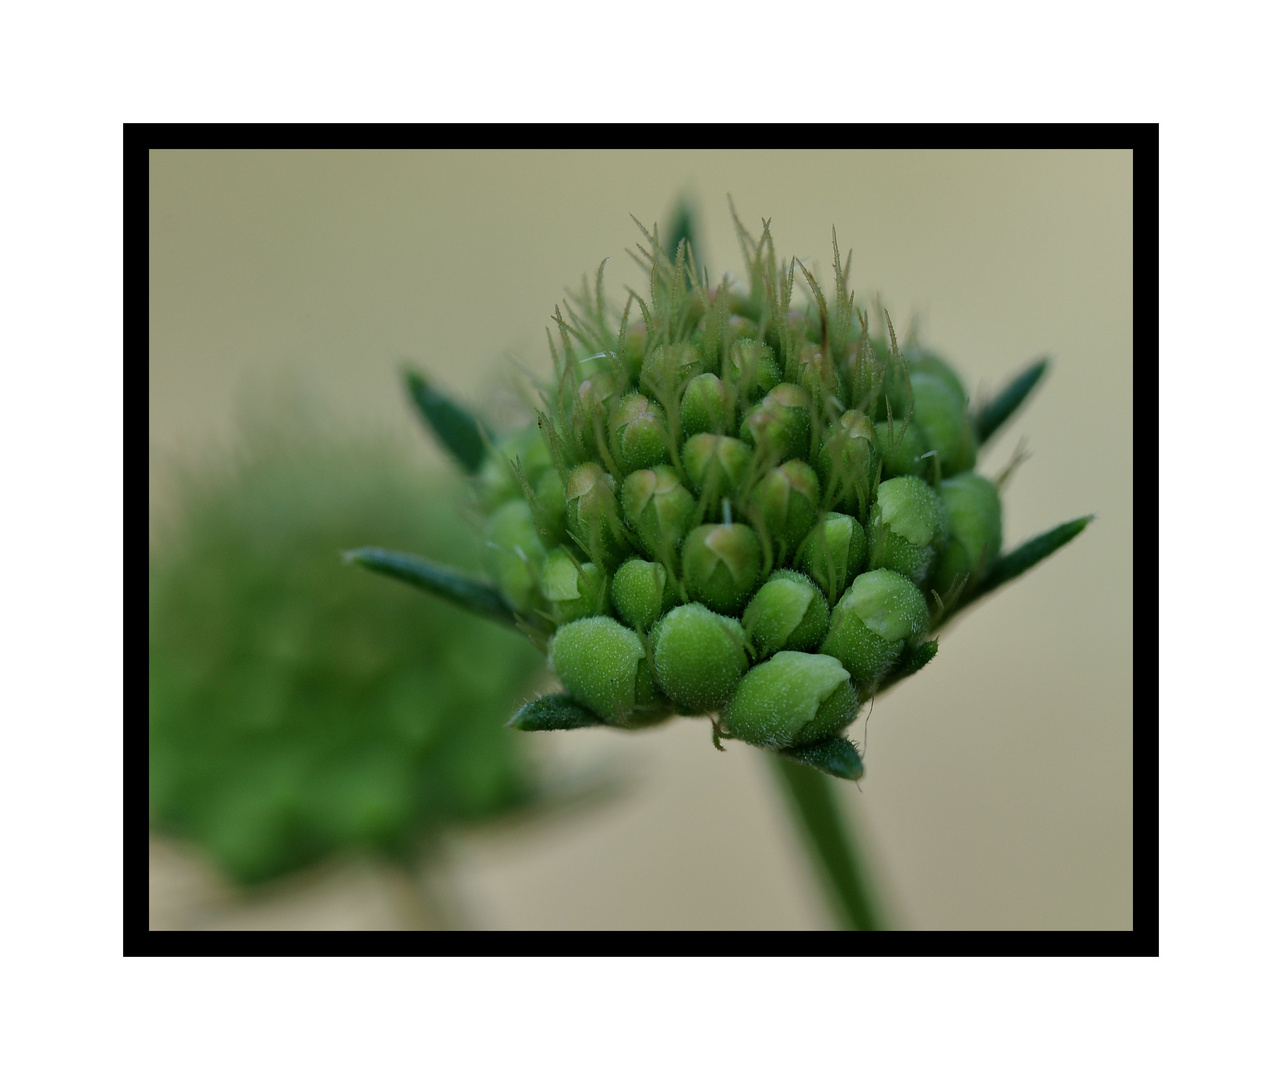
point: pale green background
(998, 792)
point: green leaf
(554, 712)
(459, 431)
(478, 597)
(996, 412)
(1026, 556)
(835, 756)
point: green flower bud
(753, 368)
(549, 493)
(659, 510)
(496, 479)
(907, 527)
(815, 373)
(592, 514)
(944, 422)
(834, 554)
(721, 565)
(706, 406)
(513, 553)
(666, 371)
(901, 449)
(640, 433)
(793, 699)
(602, 665)
(780, 425)
(974, 510)
(592, 403)
(716, 464)
(880, 614)
(788, 612)
(573, 590)
(699, 657)
(642, 591)
(634, 349)
(926, 363)
(787, 498)
(848, 462)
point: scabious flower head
(741, 507)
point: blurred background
(998, 788)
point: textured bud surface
(788, 612)
(721, 565)
(908, 528)
(699, 657)
(871, 623)
(974, 510)
(835, 553)
(642, 591)
(792, 699)
(603, 666)
(660, 510)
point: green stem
(818, 817)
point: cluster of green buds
(734, 508)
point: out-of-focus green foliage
(299, 707)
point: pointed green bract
(478, 597)
(995, 413)
(457, 429)
(554, 712)
(1029, 554)
(835, 756)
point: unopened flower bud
(666, 370)
(721, 565)
(496, 479)
(602, 665)
(549, 494)
(848, 462)
(642, 591)
(716, 464)
(753, 369)
(780, 425)
(699, 657)
(907, 528)
(634, 349)
(944, 422)
(787, 498)
(513, 553)
(788, 612)
(592, 402)
(865, 374)
(592, 514)
(793, 699)
(573, 590)
(928, 363)
(815, 373)
(974, 510)
(835, 553)
(902, 446)
(706, 406)
(880, 614)
(640, 434)
(659, 510)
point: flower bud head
(848, 462)
(787, 498)
(753, 369)
(666, 371)
(573, 590)
(974, 510)
(793, 699)
(780, 425)
(788, 612)
(642, 591)
(944, 422)
(513, 553)
(659, 510)
(907, 527)
(880, 613)
(699, 657)
(715, 464)
(901, 446)
(706, 406)
(592, 514)
(834, 554)
(602, 665)
(640, 433)
(721, 565)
